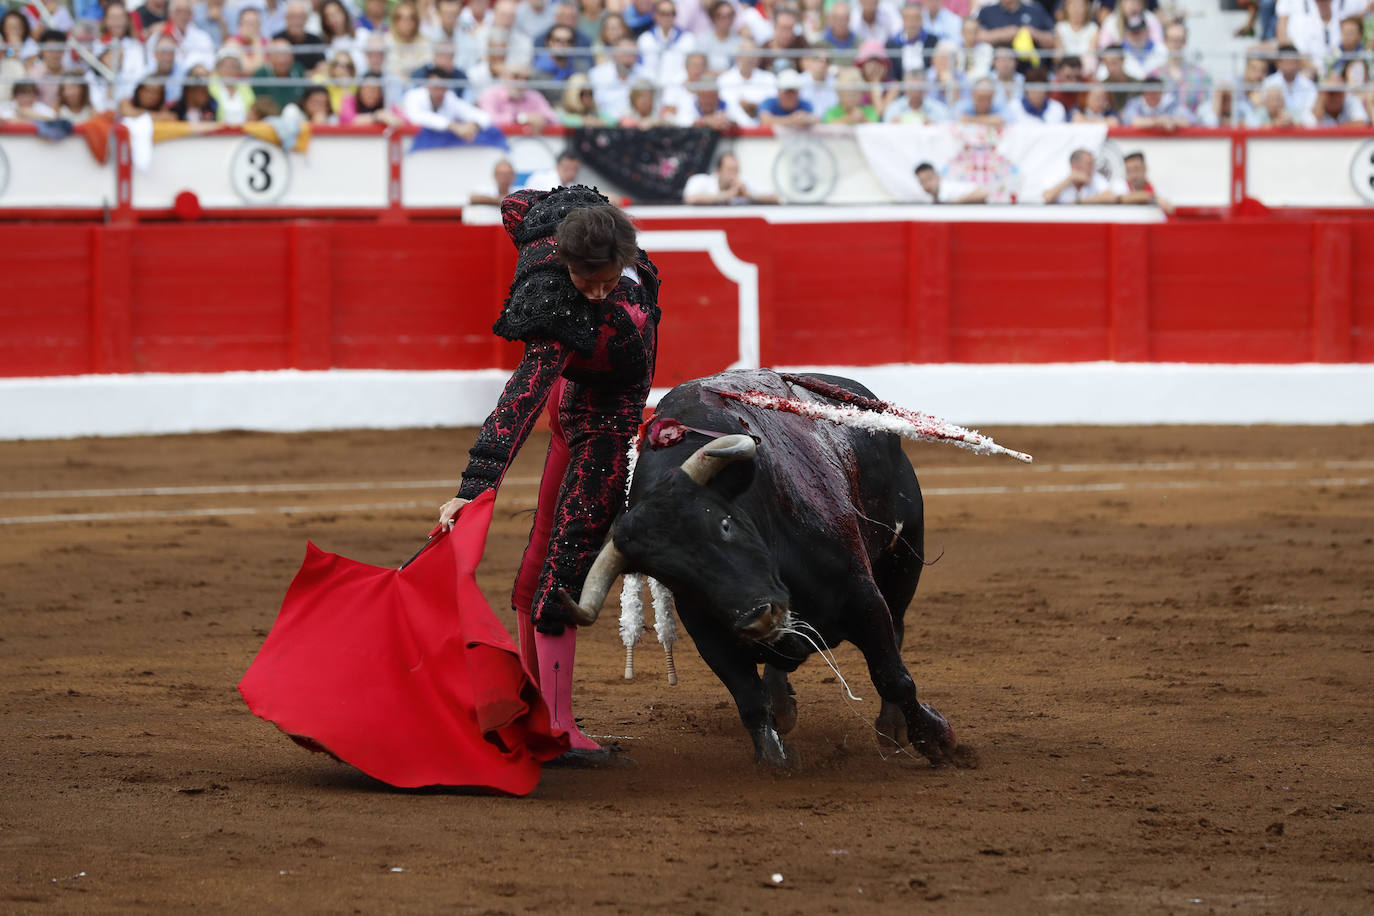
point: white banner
(1015, 163)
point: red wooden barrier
(216, 297)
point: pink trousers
(527, 579)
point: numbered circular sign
(4, 173)
(1361, 171)
(259, 172)
(805, 171)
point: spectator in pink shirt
(511, 102)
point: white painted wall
(972, 395)
(1309, 172)
(40, 173)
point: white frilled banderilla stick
(632, 604)
(632, 620)
(874, 416)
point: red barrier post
(310, 295)
(1332, 303)
(929, 299)
(111, 299)
(1128, 293)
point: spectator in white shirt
(1010, 83)
(941, 22)
(519, 46)
(1335, 106)
(726, 186)
(1287, 12)
(132, 58)
(1084, 184)
(447, 27)
(705, 108)
(491, 68)
(534, 18)
(611, 80)
(874, 21)
(818, 83)
(436, 107)
(1112, 30)
(1144, 55)
(1035, 103)
(916, 107)
(165, 66)
(664, 47)
(682, 95)
(721, 41)
(563, 174)
(476, 17)
(25, 106)
(1077, 33)
(1272, 111)
(193, 43)
(756, 21)
(1155, 109)
(1316, 34)
(948, 192)
(744, 86)
(1299, 92)
(502, 183)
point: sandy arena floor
(1159, 641)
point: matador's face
(596, 285)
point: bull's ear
(733, 479)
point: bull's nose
(759, 621)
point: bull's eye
(727, 530)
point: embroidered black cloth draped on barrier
(652, 166)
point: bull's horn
(609, 564)
(716, 454)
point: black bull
(816, 529)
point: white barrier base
(1062, 393)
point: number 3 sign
(259, 172)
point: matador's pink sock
(555, 683)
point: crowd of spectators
(464, 65)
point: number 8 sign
(259, 172)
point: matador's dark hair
(590, 239)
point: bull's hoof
(771, 751)
(891, 727)
(784, 704)
(934, 738)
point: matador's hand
(449, 511)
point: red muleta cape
(405, 674)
